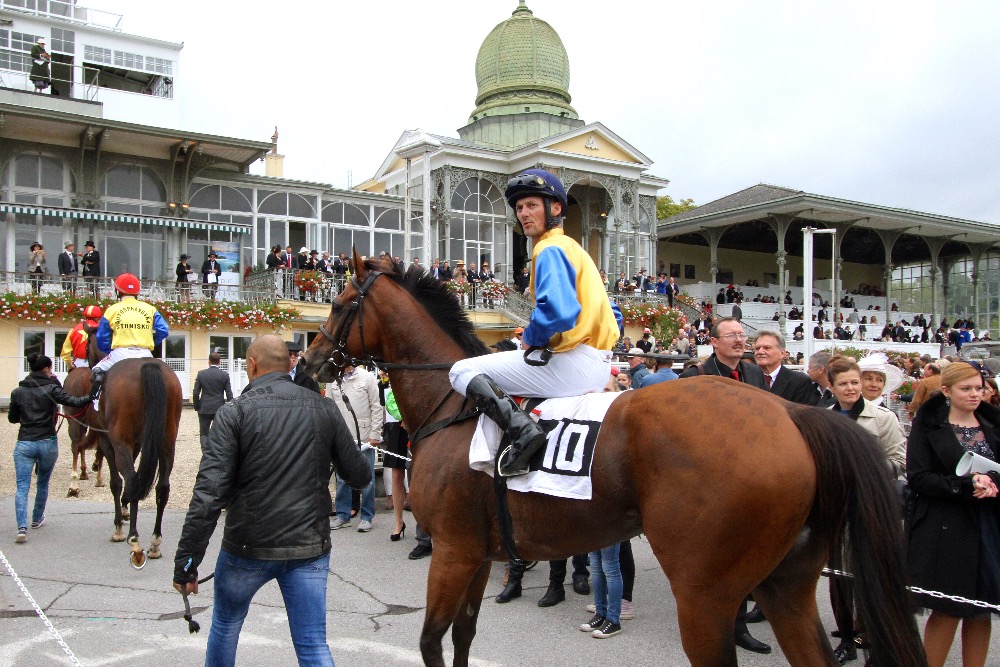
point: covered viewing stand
(769, 219)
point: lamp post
(421, 146)
(807, 283)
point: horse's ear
(359, 264)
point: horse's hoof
(99, 483)
(73, 493)
(118, 536)
(137, 559)
(83, 474)
(154, 553)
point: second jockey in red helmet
(129, 329)
(74, 349)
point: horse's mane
(439, 302)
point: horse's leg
(98, 467)
(74, 480)
(116, 491)
(81, 444)
(464, 629)
(162, 494)
(788, 598)
(705, 615)
(448, 581)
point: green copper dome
(522, 67)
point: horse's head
(350, 331)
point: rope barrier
(828, 572)
(41, 614)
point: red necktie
(735, 375)
(767, 381)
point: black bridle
(340, 359)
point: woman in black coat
(955, 522)
(182, 271)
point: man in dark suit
(212, 390)
(729, 343)
(91, 260)
(672, 290)
(69, 268)
(445, 273)
(737, 311)
(296, 370)
(210, 273)
(769, 351)
(473, 274)
(816, 370)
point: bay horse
(139, 415)
(736, 490)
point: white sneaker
(364, 526)
(628, 611)
(592, 608)
(339, 523)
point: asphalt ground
(110, 614)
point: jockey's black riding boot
(96, 382)
(526, 437)
(513, 588)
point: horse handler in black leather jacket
(268, 462)
(33, 405)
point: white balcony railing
(66, 11)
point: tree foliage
(666, 206)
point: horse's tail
(154, 396)
(853, 485)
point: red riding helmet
(93, 313)
(126, 283)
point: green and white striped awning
(104, 216)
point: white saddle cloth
(572, 425)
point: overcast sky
(893, 103)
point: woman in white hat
(879, 378)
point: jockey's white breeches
(582, 370)
(120, 353)
(81, 363)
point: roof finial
(274, 141)
(522, 8)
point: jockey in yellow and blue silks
(572, 317)
(129, 329)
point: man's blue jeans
(26, 454)
(343, 498)
(303, 588)
(606, 575)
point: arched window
(478, 224)
(41, 176)
(129, 188)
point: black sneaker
(593, 624)
(420, 551)
(609, 629)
